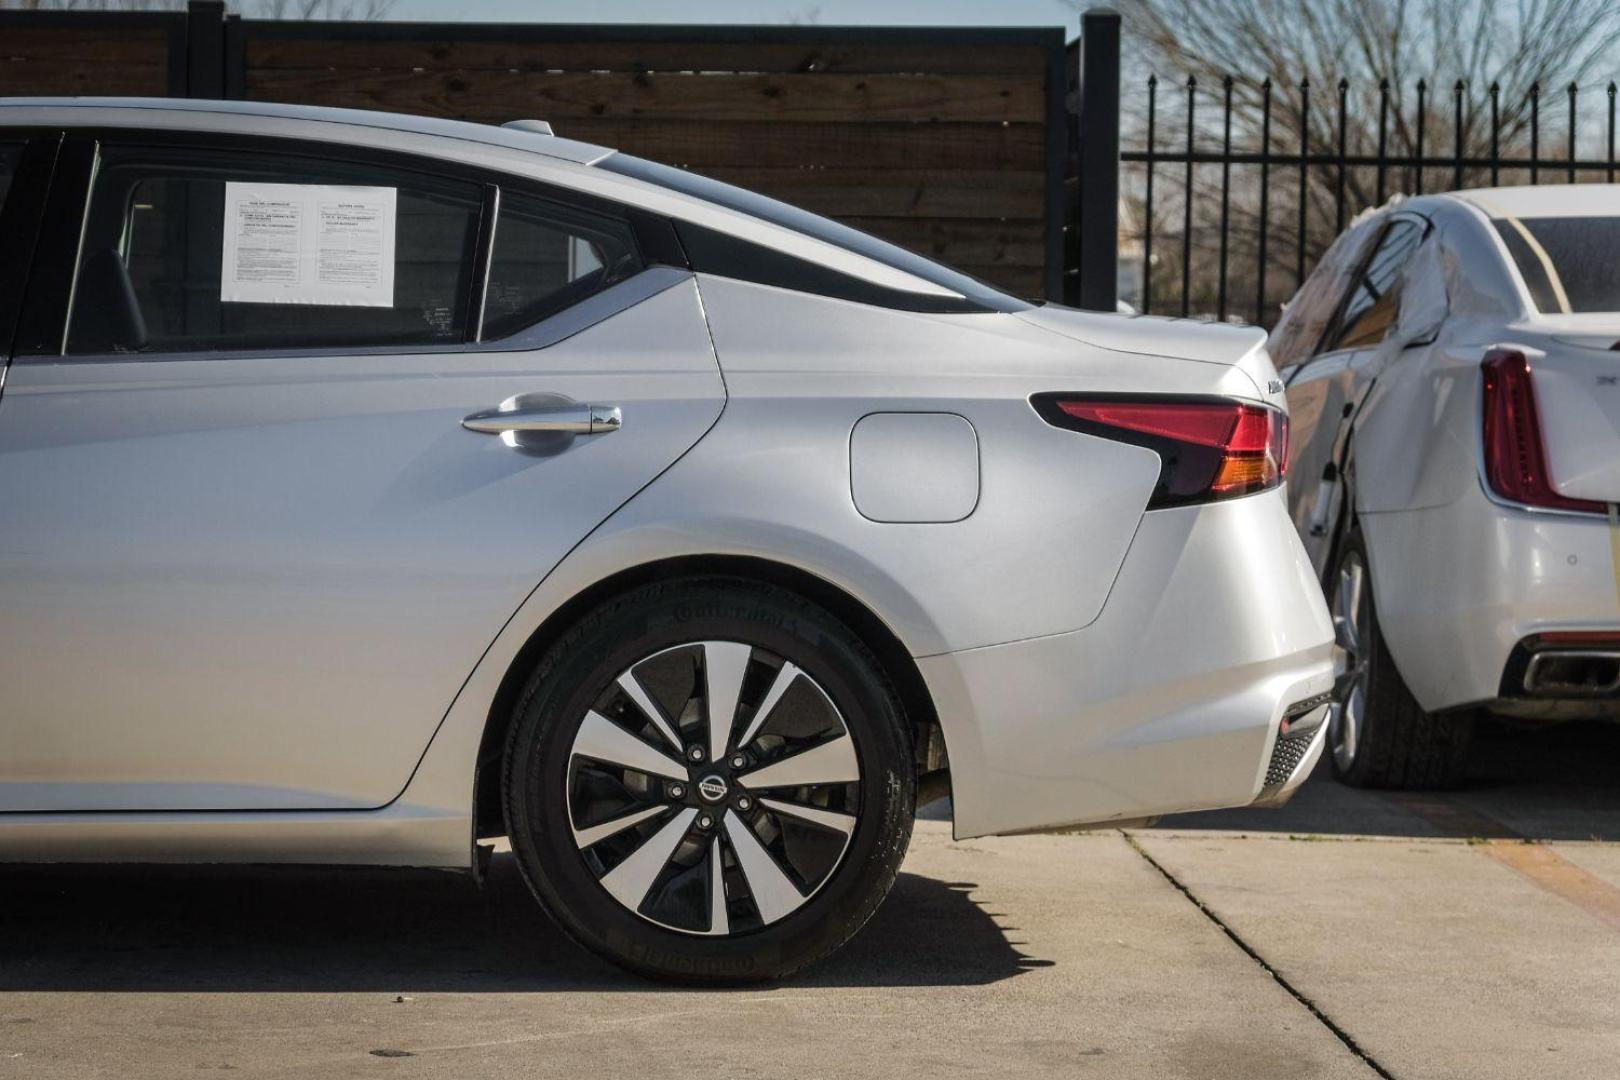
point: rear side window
(548, 257)
(1373, 303)
(195, 250)
(1568, 263)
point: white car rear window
(1568, 263)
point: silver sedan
(371, 486)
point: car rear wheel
(1378, 735)
(710, 781)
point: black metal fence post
(1098, 166)
(205, 49)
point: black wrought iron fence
(1220, 198)
(1317, 176)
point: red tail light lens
(1515, 454)
(1209, 448)
(1607, 639)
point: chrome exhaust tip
(1591, 673)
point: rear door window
(1374, 301)
(1305, 321)
(189, 249)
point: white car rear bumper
(1170, 700)
(1458, 586)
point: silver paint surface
(259, 608)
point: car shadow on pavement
(270, 929)
(1558, 783)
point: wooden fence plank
(89, 45)
(267, 49)
(875, 146)
(704, 145)
(40, 60)
(43, 77)
(997, 244)
(920, 193)
(1028, 282)
(841, 98)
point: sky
(822, 12)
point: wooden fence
(947, 141)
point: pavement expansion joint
(1315, 1010)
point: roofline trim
(551, 146)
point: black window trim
(22, 217)
(72, 187)
(489, 217)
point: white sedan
(1454, 382)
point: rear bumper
(1169, 701)
(1294, 754)
(1460, 587)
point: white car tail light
(1515, 452)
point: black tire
(1397, 744)
(662, 619)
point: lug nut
(705, 822)
(695, 753)
(738, 761)
(677, 791)
(745, 803)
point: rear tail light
(1515, 454)
(1209, 448)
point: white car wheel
(1378, 734)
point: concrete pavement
(1239, 945)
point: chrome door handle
(565, 419)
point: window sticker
(308, 244)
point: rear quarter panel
(1057, 510)
(1037, 557)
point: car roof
(120, 111)
(1544, 200)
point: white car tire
(1378, 735)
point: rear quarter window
(813, 225)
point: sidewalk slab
(1438, 959)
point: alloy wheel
(713, 787)
(1348, 711)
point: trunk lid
(1577, 383)
(1222, 344)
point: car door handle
(565, 419)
